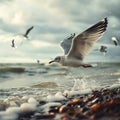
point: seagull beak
(51, 61)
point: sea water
(23, 86)
(42, 80)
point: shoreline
(100, 104)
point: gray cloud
(4, 1)
(55, 20)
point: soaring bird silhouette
(81, 45)
(13, 43)
(115, 41)
(27, 32)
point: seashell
(63, 109)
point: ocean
(32, 81)
(40, 79)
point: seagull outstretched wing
(66, 44)
(27, 32)
(13, 43)
(82, 43)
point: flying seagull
(27, 32)
(38, 61)
(103, 49)
(66, 43)
(13, 43)
(81, 45)
(115, 41)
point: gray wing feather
(66, 44)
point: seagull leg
(87, 65)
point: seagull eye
(57, 59)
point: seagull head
(59, 59)
(114, 39)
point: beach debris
(97, 105)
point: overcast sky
(53, 21)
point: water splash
(84, 84)
(78, 84)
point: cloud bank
(54, 20)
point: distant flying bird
(27, 32)
(81, 45)
(13, 43)
(103, 49)
(66, 43)
(38, 61)
(115, 41)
